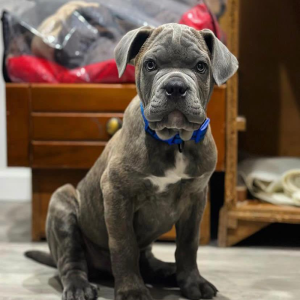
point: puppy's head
(176, 69)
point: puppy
(152, 174)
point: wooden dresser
(60, 130)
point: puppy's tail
(41, 257)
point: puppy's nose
(176, 88)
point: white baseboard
(15, 184)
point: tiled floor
(239, 273)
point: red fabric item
(199, 17)
(33, 69)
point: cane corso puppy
(152, 174)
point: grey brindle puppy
(140, 186)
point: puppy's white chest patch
(172, 175)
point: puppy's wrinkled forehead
(174, 42)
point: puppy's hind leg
(66, 245)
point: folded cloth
(275, 180)
(291, 185)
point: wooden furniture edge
(18, 137)
(231, 28)
(250, 216)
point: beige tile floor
(239, 273)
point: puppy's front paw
(195, 287)
(80, 291)
(134, 294)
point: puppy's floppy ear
(224, 63)
(130, 45)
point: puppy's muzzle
(176, 88)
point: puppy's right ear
(224, 63)
(130, 45)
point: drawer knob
(113, 125)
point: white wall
(15, 183)
(2, 112)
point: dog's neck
(198, 135)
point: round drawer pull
(113, 125)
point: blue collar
(197, 136)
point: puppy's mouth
(174, 120)
(173, 123)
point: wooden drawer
(81, 97)
(71, 126)
(64, 126)
(67, 155)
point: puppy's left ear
(130, 45)
(224, 63)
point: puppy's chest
(166, 197)
(180, 171)
(159, 211)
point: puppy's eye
(150, 65)
(201, 67)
